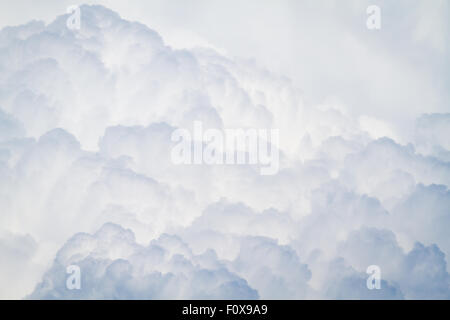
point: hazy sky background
(393, 74)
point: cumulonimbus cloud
(86, 118)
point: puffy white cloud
(424, 215)
(423, 266)
(274, 270)
(114, 266)
(85, 148)
(344, 282)
(19, 269)
(10, 128)
(431, 135)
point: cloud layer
(86, 118)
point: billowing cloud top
(86, 178)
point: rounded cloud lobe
(86, 118)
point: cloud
(431, 134)
(10, 128)
(344, 282)
(19, 269)
(424, 214)
(274, 270)
(86, 175)
(423, 266)
(114, 266)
